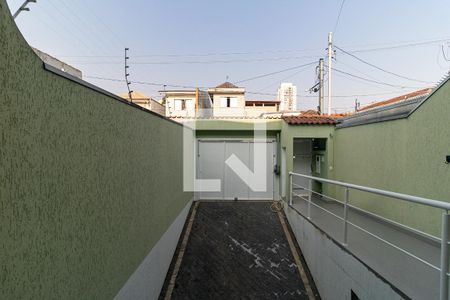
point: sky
(204, 43)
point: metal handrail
(420, 233)
(444, 275)
(405, 197)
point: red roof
(397, 99)
(226, 85)
(310, 120)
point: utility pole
(127, 74)
(23, 7)
(196, 101)
(330, 57)
(321, 86)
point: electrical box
(319, 159)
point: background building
(186, 103)
(228, 99)
(145, 101)
(287, 95)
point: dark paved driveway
(237, 250)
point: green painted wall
(291, 132)
(238, 124)
(231, 134)
(88, 184)
(405, 156)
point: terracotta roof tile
(310, 120)
(226, 85)
(397, 99)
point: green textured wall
(231, 134)
(88, 184)
(291, 132)
(238, 124)
(405, 156)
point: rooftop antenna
(23, 7)
(357, 105)
(127, 74)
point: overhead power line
(402, 45)
(197, 62)
(198, 54)
(339, 16)
(379, 68)
(282, 79)
(375, 81)
(387, 47)
(144, 82)
(204, 87)
(276, 72)
(443, 52)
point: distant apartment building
(223, 101)
(145, 101)
(228, 100)
(187, 103)
(56, 63)
(287, 96)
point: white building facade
(287, 96)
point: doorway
(302, 164)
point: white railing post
(346, 216)
(309, 189)
(444, 257)
(290, 189)
(309, 198)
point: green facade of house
(291, 132)
(88, 183)
(406, 156)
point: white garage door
(211, 158)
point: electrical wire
(248, 92)
(201, 54)
(399, 46)
(379, 68)
(443, 53)
(195, 62)
(388, 47)
(144, 82)
(339, 16)
(276, 72)
(107, 36)
(114, 36)
(86, 37)
(374, 81)
(282, 79)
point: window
(184, 104)
(233, 102)
(228, 102)
(224, 102)
(190, 104)
(179, 104)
